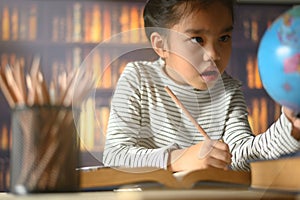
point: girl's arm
(271, 144)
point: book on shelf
(23, 26)
(258, 115)
(69, 24)
(96, 31)
(102, 116)
(105, 177)
(134, 24)
(32, 22)
(87, 124)
(281, 174)
(4, 138)
(5, 23)
(106, 81)
(87, 21)
(14, 23)
(93, 123)
(250, 29)
(107, 28)
(253, 76)
(115, 18)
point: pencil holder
(45, 150)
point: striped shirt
(145, 124)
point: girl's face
(199, 47)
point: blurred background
(64, 33)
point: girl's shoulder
(141, 68)
(144, 65)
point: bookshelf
(252, 21)
(67, 33)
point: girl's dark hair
(165, 13)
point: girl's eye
(198, 40)
(225, 38)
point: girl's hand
(205, 154)
(292, 116)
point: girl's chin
(203, 85)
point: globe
(279, 59)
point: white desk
(157, 195)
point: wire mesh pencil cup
(45, 150)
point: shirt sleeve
(122, 147)
(273, 143)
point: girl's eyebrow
(198, 31)
(228, 29)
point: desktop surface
(231, 194)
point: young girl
(147, 128)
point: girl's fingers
(221, 145)
(296, 123)
(222, 156)
(218, 163)
(216, 152)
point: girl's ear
(159, 44)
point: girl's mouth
(210, 74)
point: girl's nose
(212, 53)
